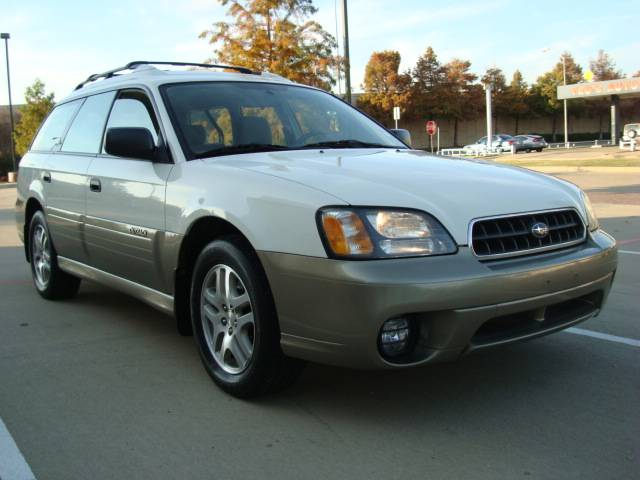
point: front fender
(274, 214)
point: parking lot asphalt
(102, 387)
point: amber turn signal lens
(346, 233)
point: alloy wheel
(227, 319)
(41, 257)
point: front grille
(513, 235)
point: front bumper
(331, 311)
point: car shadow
(509, 378)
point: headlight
(382, 233)
(591, 215)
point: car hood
(453, 190)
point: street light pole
(6, 37)
(347, 62)
(566, 121)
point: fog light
(394, 337)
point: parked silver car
(500, 142)
(530, 143)
(279, 224)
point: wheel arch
(200, 233)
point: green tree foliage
(433, 90)
(427, 82)
(385, 87)
(461, 98)
(38, 105)
(494, 77)
(276, 36)
(604, 68)
(545, 90)
(517, 98)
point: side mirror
(130, 142)
(402, 134)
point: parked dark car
(528, 143)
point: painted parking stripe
(604, 336)
(13, 466)
(628, 241)
(629, 252)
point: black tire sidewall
(266, 347)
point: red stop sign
(431, 127)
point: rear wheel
(50, 282)
(235, 324)
(538, 150)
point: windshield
(223, 118)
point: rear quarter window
(52, 130)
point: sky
(64, 41)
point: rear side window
(54, 126)
(85, 133)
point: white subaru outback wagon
(279, 224)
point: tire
(235, 324)
(538, 150)
(528, 150)
(50, 282)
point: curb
(7, 185)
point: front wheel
(235, 323)
(50, 282)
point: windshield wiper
(246, 148)
(347, 144)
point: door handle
(46, 177)
(95, 185)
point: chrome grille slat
(511, 235)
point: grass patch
(586, 162)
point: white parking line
(13, 466)
(604, 336)
(629, 252)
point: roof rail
(138, 63)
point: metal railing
(485, 152)
(582, 144)
(469, 152)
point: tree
(603, 68)
(545, 90)
(38, 106)
(275, 35)
(427, 80)
(496, 79)
(517, 98)
(384, 86)
(460, 97)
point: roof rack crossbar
(132, 65)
